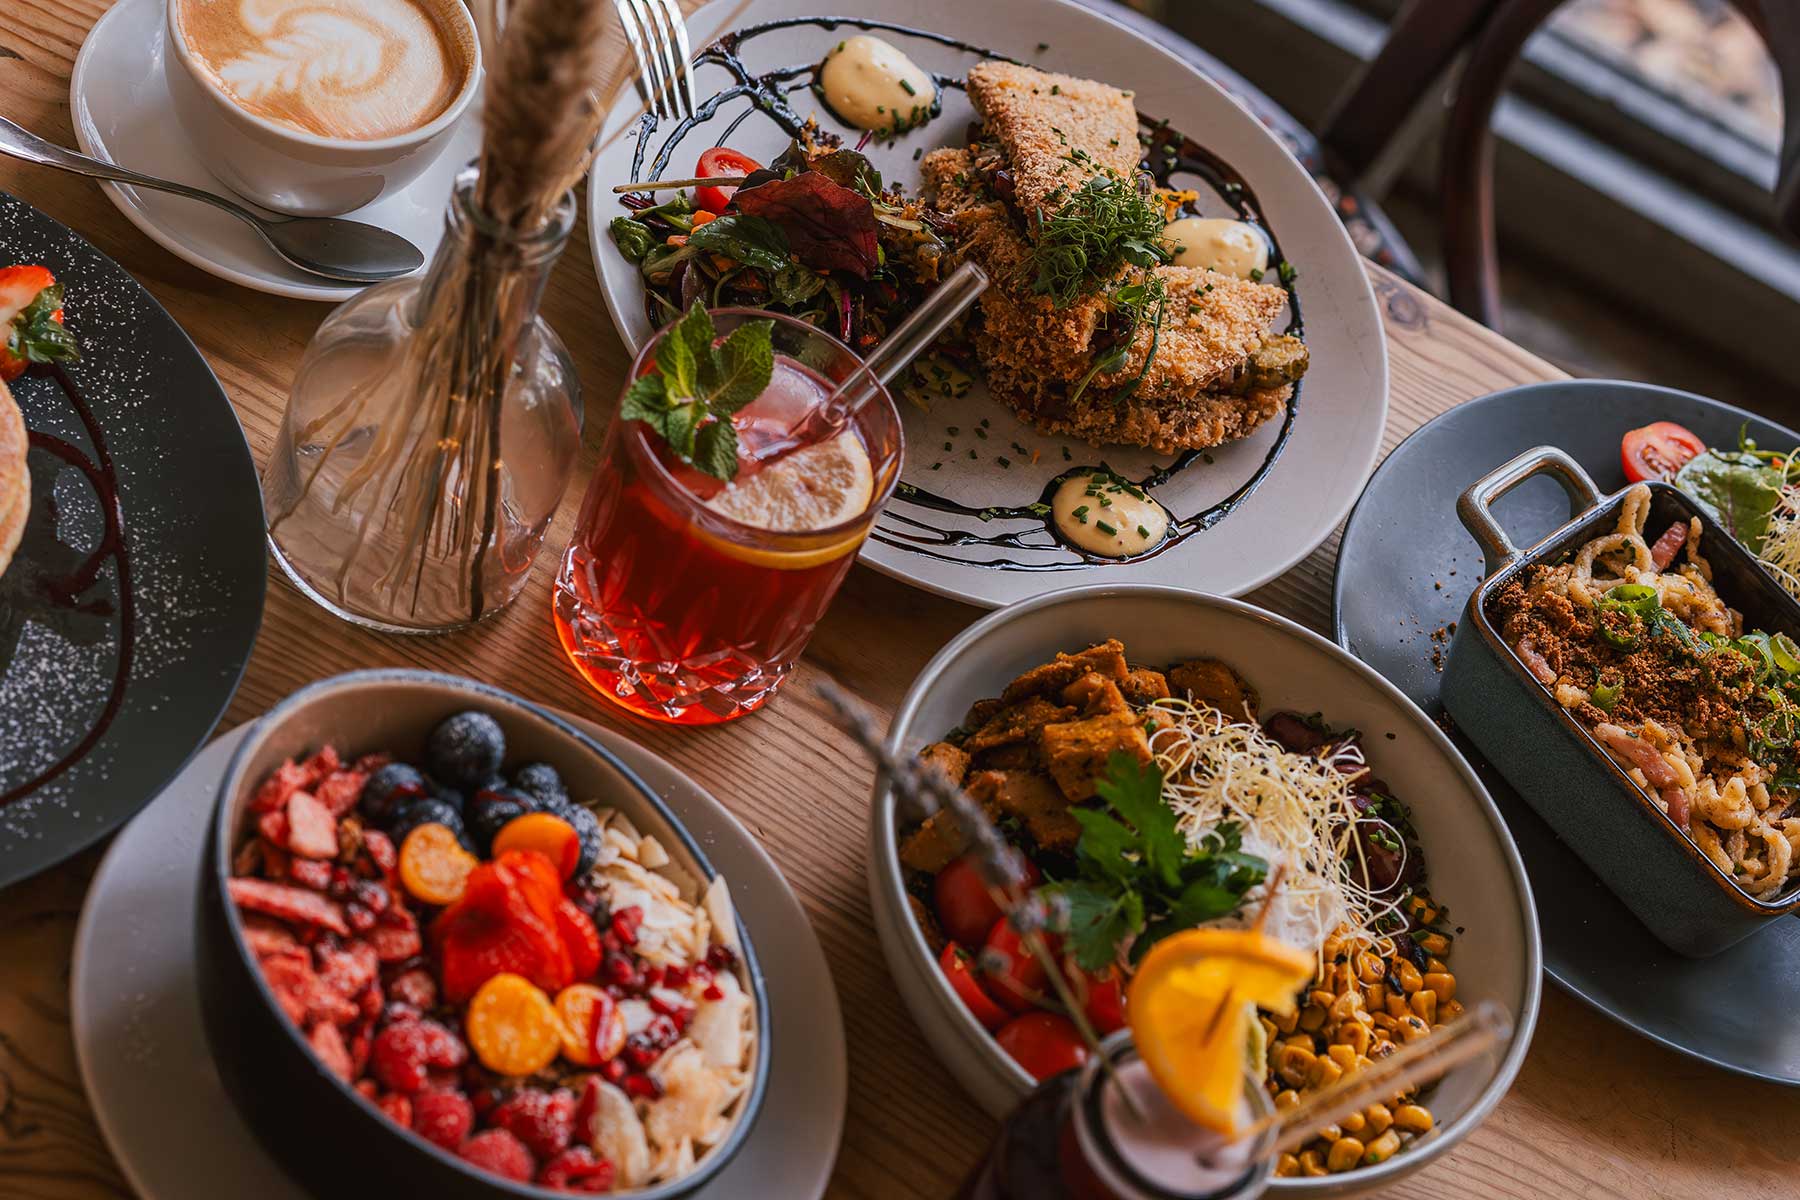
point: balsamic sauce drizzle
(1169, 155)
(59, 597)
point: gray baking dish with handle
(1615, 826)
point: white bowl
(1473, 866)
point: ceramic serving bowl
(312, 1122)
(1474, 867)
(1682, 896)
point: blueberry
(465, 750)
(425, 812)
(541, 780)
(588, 826)
(390, 789)
(491, 809)
(453, 798)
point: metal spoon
(347, 251)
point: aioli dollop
(874, 86)
(1104, 514)
(1230, 247)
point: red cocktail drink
(688, 599)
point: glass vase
(430, 433)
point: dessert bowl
(1661, 874)
(1475, 869)
(310, 1119)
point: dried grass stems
(435, 475)
(923, 789)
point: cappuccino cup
(318, 107)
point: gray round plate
(1406, 568)
(135, 1014)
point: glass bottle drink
(1076, 1138)
(676, 610)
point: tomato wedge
(1103, 998)
(720, 160)
(1012, 974)
(965, 907)
(957, 964)
(1658, 450)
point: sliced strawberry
(289, 904)
(340, 790)
(327, 1042)
(580, 937)
(289, 975)
(312, 830)
(282, 782)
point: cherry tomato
(720, 160)
(965, 908)
(1658, 450)
(1044, 1043)
(958, 965)
(1103, 998)
(1016, 979)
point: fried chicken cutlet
(1211, 371)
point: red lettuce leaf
(828, 226)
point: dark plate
(118, 653)
(1405, 569)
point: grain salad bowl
(314, 1123)
(1474, 868)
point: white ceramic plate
(145, 1066)
(1474, 869)
(1330, 445)
(122, 112)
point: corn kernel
(1345, 1153)
(1285, 1099)
(1433, 943)
(1354, 1123)
(1324, 1073)
(1343, 1056)
(1356, 1036)
(1310, 1163)
(1382, 1148)
(1413, 1118)
(1287, 1166)
(1369, 968)
(1443, 983)
(1379, 1118)
(1312, 1018)
(1424, 1006)
(1412, 1029)
(1410, 979)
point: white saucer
(123, 114)
(149, 1076)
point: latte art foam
(359, 69)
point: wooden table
(1597, 1112)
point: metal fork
(659, 40)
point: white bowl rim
(886, 876)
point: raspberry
(619, 971)
(415, 987)
(613, 1069)
(443, 1118)
(642, 1087)
(404, 1049)
(399, 1109)
(544, 1121)
(640, 1050)
(500, 1152)
(577, 1170)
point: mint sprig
(698, 383)
(1138, 878)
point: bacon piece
(312, 830)
(1638, 753)
(1669, 545)
(1677, 801)
(288, 903)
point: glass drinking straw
(1413, 1065)
(908, 340)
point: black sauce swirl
(1169, 157)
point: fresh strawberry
(291, 904)
(31, 328)
(577, 1169)
(312, 830)
(505, 922)
(327, 1041)
(544, 1121)
(443, 1117)
(580, 937)
(500, 1152)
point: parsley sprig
(697, 383)
(1138, 879)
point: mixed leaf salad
(1754, 494)
(814, 234)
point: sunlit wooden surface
(1597, 1112)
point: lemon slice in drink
(1189, 1008)
(813, 488)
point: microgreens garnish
(697, 383)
